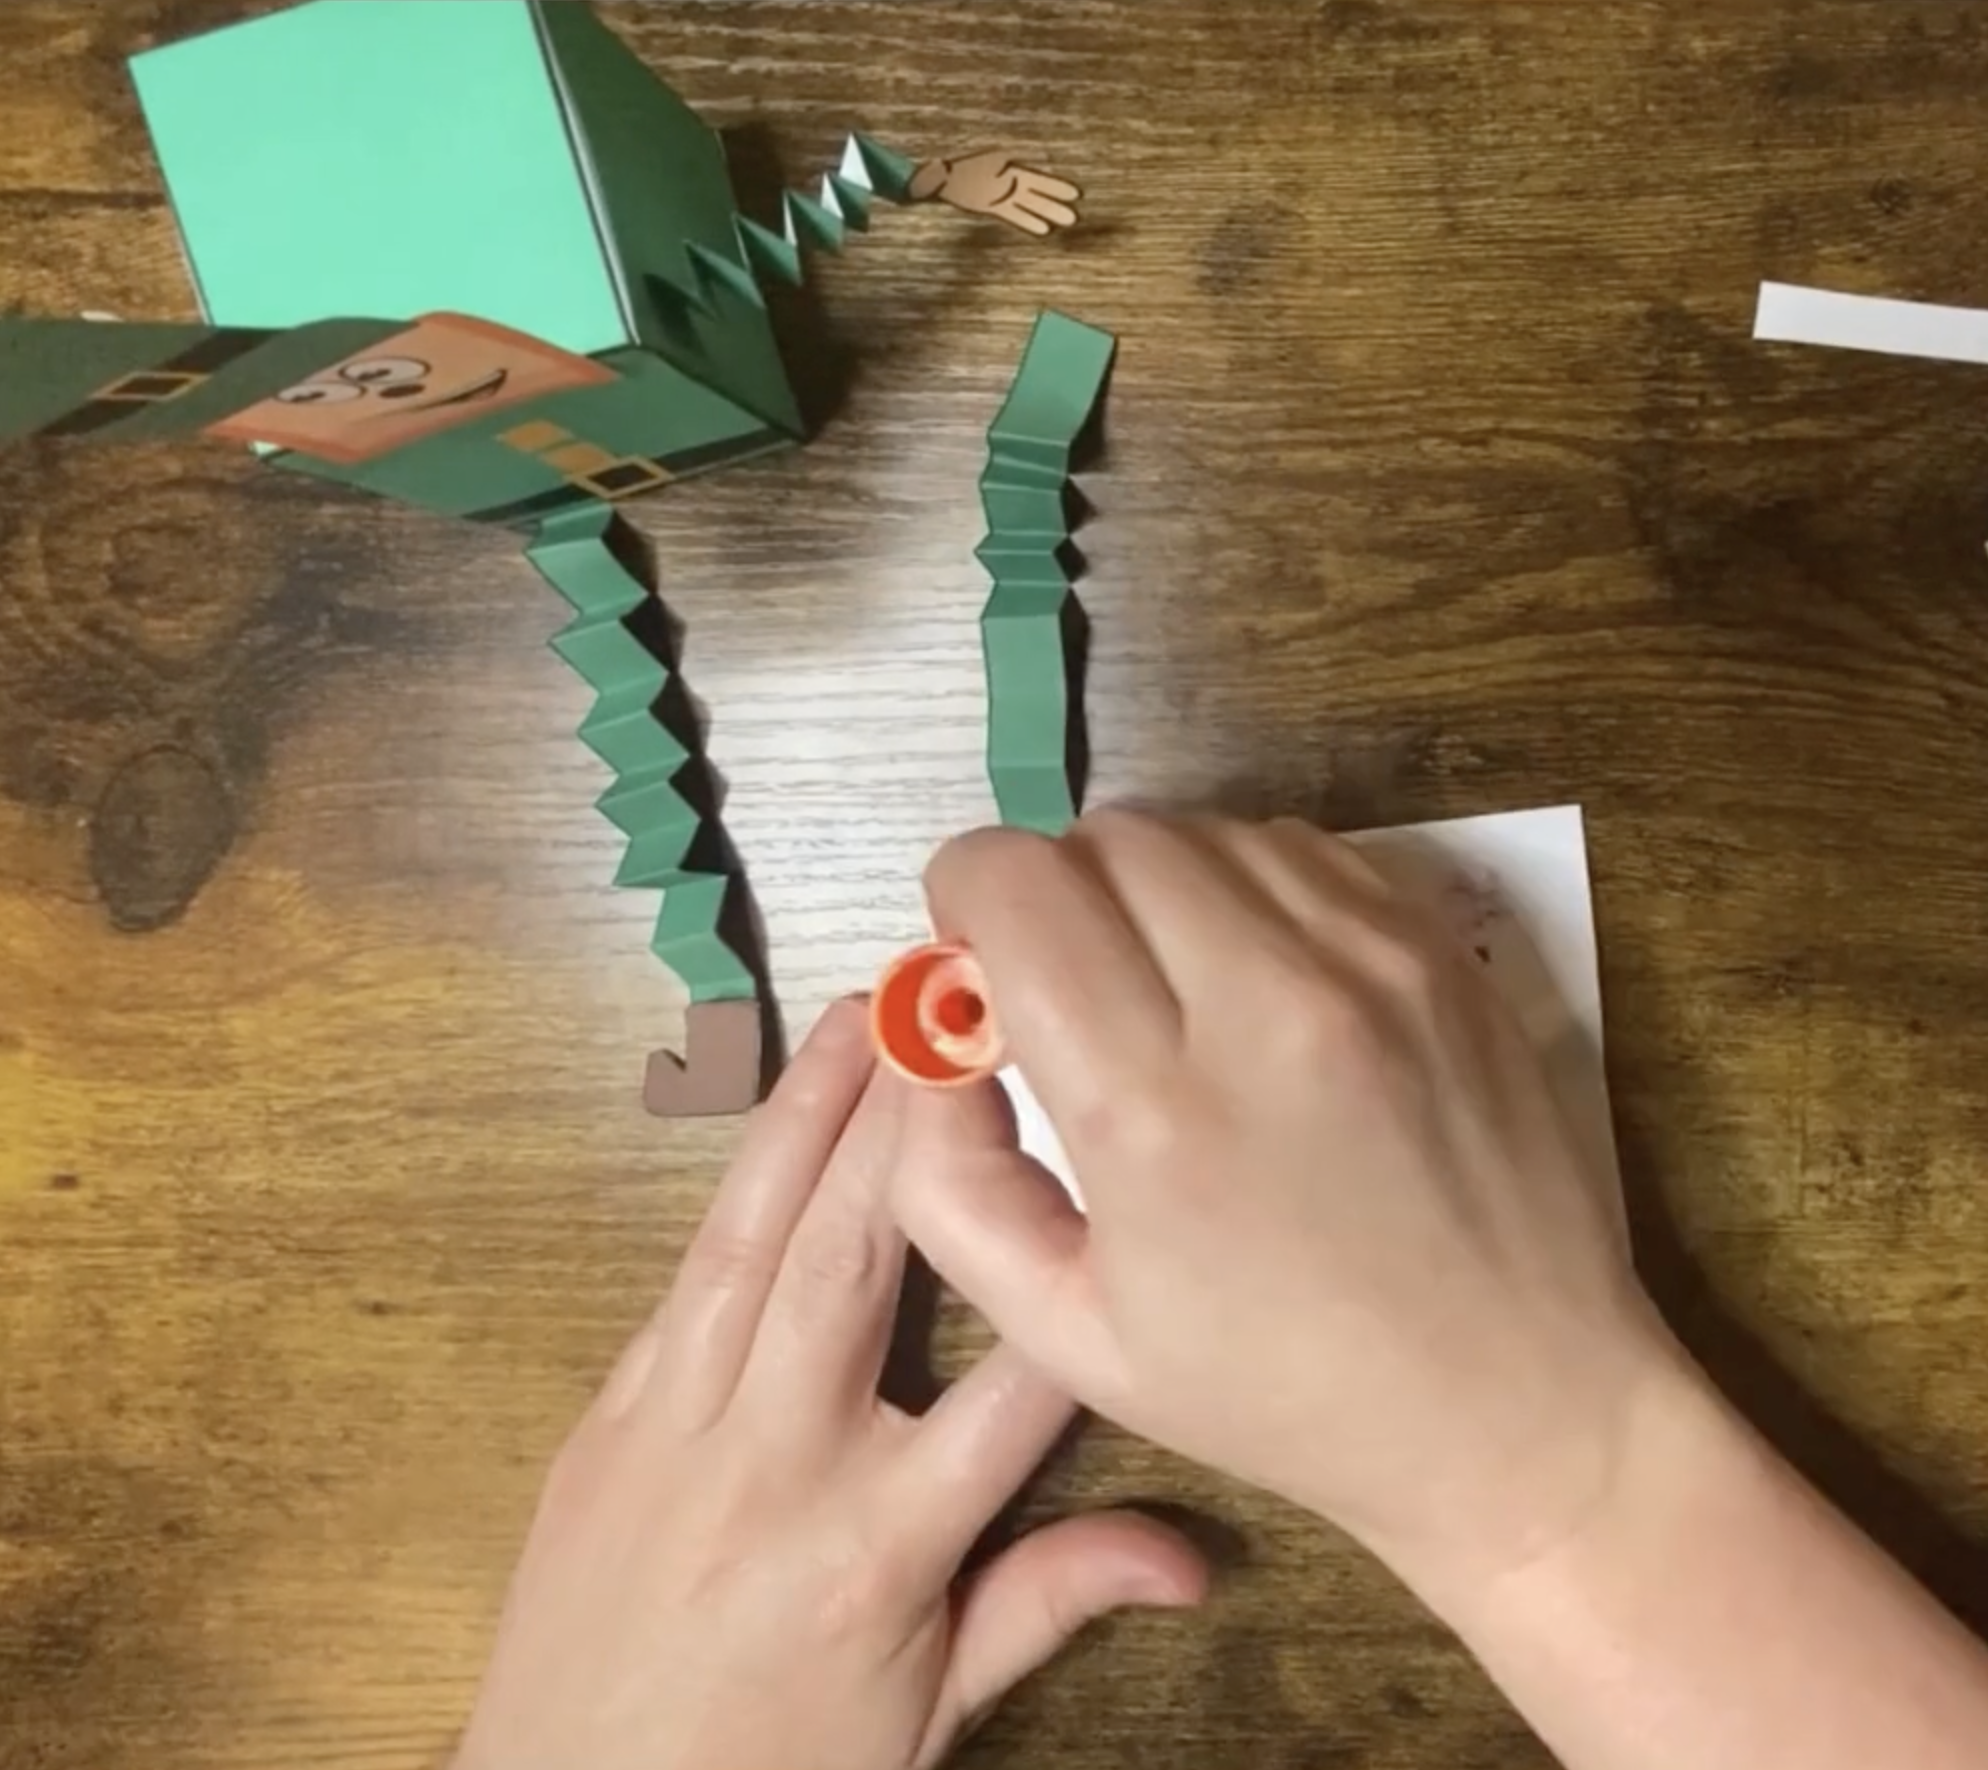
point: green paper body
(573, 554)
(1025, 626)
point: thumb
(996, 1227)
(1018, 1613)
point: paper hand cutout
(991, 183)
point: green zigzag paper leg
(1028, 706)
(572, 553)
(1025, 628)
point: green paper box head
(470, 255)
(353, 158)
(509, 159)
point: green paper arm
(1031, 721)
(989, 184)
(868, 170)
(573, 555)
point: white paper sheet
(1789, 315)
(1516, 887)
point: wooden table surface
(1441, 477)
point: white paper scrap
(1790, 315)
(1515, 887)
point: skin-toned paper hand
(744, 1558)
(993, 183)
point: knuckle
(841, 1257)
(1328, 855)
(1220, 839)
(1324, 1024)
(1137, 1126)
(1293, 837)
(726, 1261)
(858, 1583)
(1359, 867)
(812, 1087)
(1349, 857)
(1410, 968)
(1110, 826)
(972, 860)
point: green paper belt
(1023, 628)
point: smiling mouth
(488, 388)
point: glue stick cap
(931, 1021)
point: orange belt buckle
(931, 1021)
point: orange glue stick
(931, 1021)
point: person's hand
(1340, 1242)
(745, 1559)
(994, 184)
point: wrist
(1674, 1448)
(1560, 1473)
(1718, 1611)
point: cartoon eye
(376, 372)
(320, 393)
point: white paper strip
(1037, 1136)
(1791, 315)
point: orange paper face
(440, 372)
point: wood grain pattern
(1440, 478)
